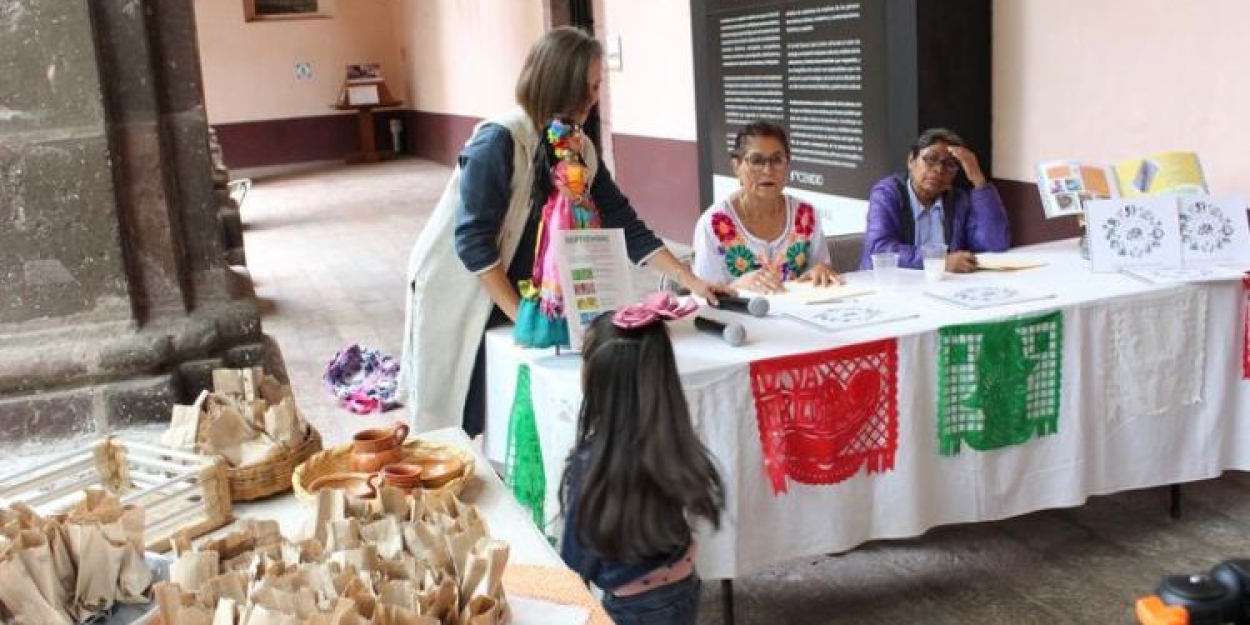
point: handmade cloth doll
(540, 318)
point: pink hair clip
(658, 306)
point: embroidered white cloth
(1156, 345)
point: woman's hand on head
(970, 164)
(821, 275)
(763, 280)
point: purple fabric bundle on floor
(363, 379)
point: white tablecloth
(1151, 395)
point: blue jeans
(674, 604)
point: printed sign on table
(594, 276)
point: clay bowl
(437, 471)
(354, 484)
(402, 475)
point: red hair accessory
(658, 306)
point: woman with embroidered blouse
(759, 237)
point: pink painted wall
(462, 57)
(249, 67)
(653, 92)
(1107, 81)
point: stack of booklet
(851, 314)
(984, 294)
(805, 293)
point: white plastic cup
(934, 255)
(885, 270)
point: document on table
(984, 294)
(1006, 261)
(1188, 274)
(806, 293)
(847, 315)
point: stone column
(117, 296)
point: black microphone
(757, 306)
(732, 332)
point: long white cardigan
(447, 305)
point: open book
(1065, 185)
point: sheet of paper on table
(806, 293)
(530, 611)
(1006, 261)
(984, 294)
(1187, 274)
(847, 315)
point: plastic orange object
(1151, 610)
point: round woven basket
(336, 460)
(274, 475)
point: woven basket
(274, 475)
(336, 461)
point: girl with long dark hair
(638, 474)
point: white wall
(249, 67)
(463, 56)
(1107, 81)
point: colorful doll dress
(540, 318)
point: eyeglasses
(933, 161)
(757, 162)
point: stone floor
(328, 248)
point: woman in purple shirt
(925, 207)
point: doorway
(581, 13)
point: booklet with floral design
(1214, 230)
(847, 315)
(1066, 185)
(1170, 232)
(1185, 275)
(984, 294)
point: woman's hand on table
(709, 291)
(763, 280)
(961, 262)
(821, 275)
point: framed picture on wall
(259, 10)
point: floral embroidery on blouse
(792, 258)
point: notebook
(984, 294)
(847, 315)
(806, 293)
(1189, 274)
(1006, 261)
